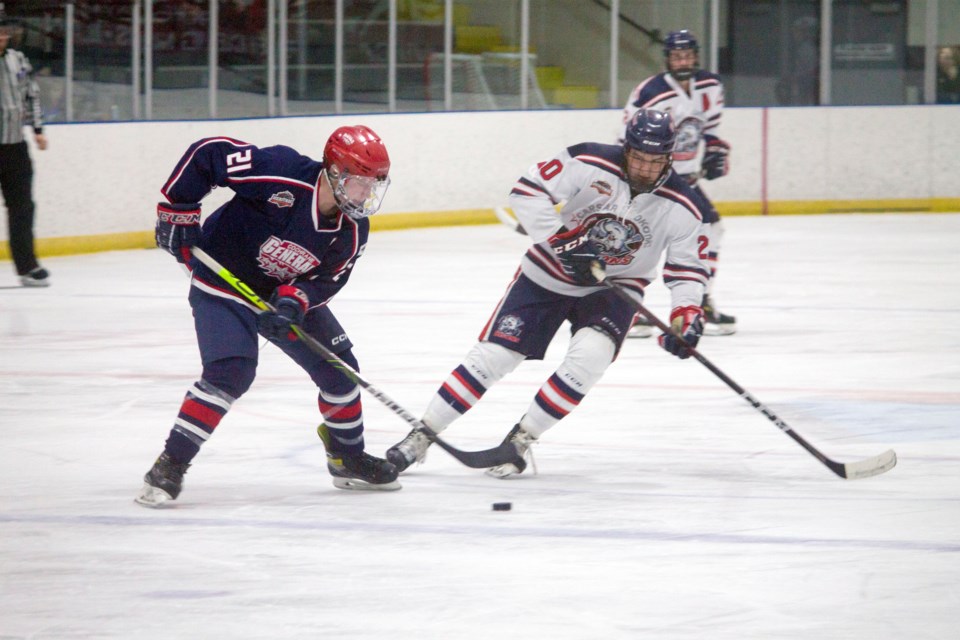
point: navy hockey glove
(577, 254)
(688, 322)
(178, 229)
(715, 158)
(289, 306)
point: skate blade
(640, 332)
(719, 329)
(503, 471)
(152, 497)
(352, 484)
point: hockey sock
(589, 355)
(202, 410)
(343, 415)
(481, 369)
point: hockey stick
(850, 470)
(503, 453)
(509, 220)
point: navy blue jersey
(271, 232)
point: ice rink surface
(665, 506)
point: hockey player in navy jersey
(694, 98)
(622, 208)
(292, 232)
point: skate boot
(641, 328)
(522, 441)
(411, 449)
(38, 277)
(716, 323)
(163, 482)
(358, 471)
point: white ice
(665, 506)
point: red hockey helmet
(357, 165)
(357, 150)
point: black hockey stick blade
(504, 453)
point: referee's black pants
(16, 184)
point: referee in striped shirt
(19, 106)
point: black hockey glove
(688, 322)
(178, 229)
(716, 163)
(577, 254)
(289, 307)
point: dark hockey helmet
(648, 149)
(357, 166)
(682, 40)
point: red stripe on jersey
(666, 95)
(278, 179)
(685, 201)
(597, 160)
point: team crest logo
(285, 260)
(617, 239)
(282, 199)
(603, 188)
(688, 139)
(509, 328)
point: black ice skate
(38, 277)
(412, 448)
(522, 440)
(163, 482)
(716, 323)
(358, 471)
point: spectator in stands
(948, 75)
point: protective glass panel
(773, 54)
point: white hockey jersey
(632, 233)
(696, 115)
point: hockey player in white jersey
(622, 209)
(694, 98)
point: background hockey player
(694, 98)
(622, 209)
(292, 232)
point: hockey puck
(502, 506)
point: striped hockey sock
(202, 410)
(551, 404)
(343, 415)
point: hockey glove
(688, 323)
(289, 307)
(715, 158)
(577, 254)
(178, 229)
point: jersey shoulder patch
(607, 157)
